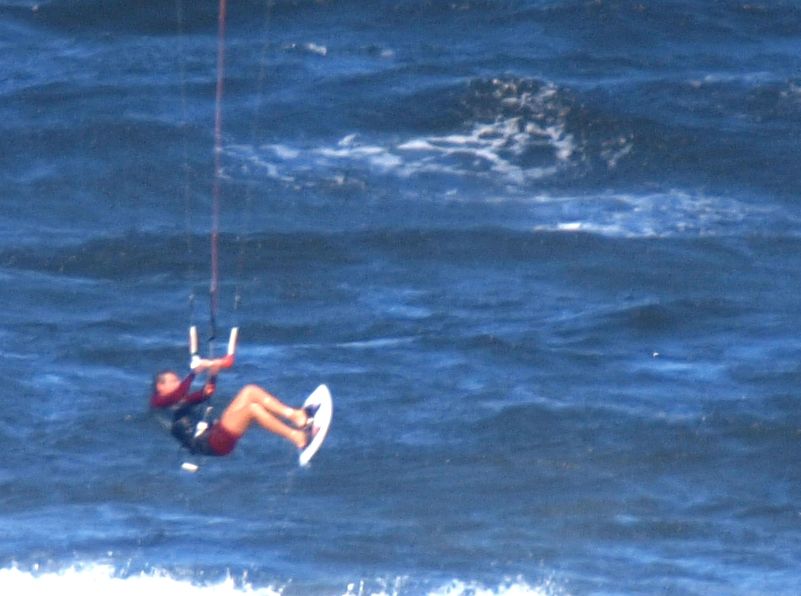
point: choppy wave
(514, 132)
(611, 213)
(556, 242)
(104, 579)
(511, 136)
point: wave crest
(97, 578)
(512, 132)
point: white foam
(498, 150)
(517, 587)
(101, 580)
(384, 342)
(314, 48)
(310, 47)
(572, 226)
(373, 155)
(511, 587)
(284, 152)
(663, 214)
(416, 145)
(485, 153)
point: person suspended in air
(190, 425)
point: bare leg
(273, 405)
(253, 403)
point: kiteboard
(320, 397)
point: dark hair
(161, 373)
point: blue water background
(545, 254)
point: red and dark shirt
(182, 396)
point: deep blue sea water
(545, 253)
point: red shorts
(221, 441)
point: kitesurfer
(190, 421)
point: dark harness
(191, 426)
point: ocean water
(545, 253)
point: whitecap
(499, 150)
(103, 579)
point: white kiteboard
(320, 397)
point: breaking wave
(106, 580)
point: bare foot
(299, 418)
(308, 435)
(300, 438)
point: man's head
(165, 382)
